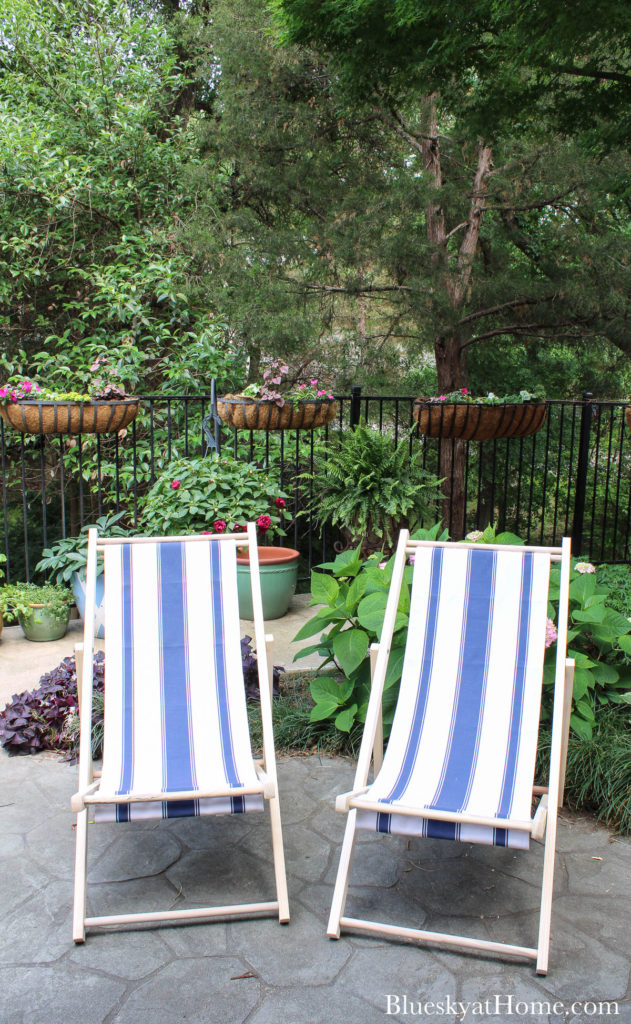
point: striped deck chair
(176, 737)
(460, 760)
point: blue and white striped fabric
(175, 709)
(464, 734)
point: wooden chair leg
(343, 874)
(279, 861)
(80, 877)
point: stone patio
(259, 972)
(262, 973)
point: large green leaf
(595, 614)
(355, 593)
(371, 611)
(324, 589)
(624, 643)
(345, 719)
(395, 665)
(322, 618)
(350, 648)
(325, 688)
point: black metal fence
(573, 477)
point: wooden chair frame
(89, 779)
(544, 821)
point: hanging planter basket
(33, 417)
(472, 421)
(254, 414)
(627, 415)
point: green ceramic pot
(279, 574)
(43, 624)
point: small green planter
(43, 624)
(279, 574)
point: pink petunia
(320, 393)
(175, 484)
(441, 398)
(26, 387)
(314, 383)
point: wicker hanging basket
(472, 421)
(33, 417)
(254, 414)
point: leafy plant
(19, 599)
(491, 536)
(211, 495)
(599, 641)
(70, 554)
(269, 390)
(354, 600)
(372, 489)
(46, 718)
(463, 397)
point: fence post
(355, 413)
(587, 414)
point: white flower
(474, 536)
(585, 567)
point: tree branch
(515, 329)
(504, 305)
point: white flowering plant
(463, 396)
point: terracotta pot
(472, 421)
(279, 574)
(252, 414)
(70, 417)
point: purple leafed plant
(46, 718)
(250, 671)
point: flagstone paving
(259, 972)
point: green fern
(371, 488)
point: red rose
(219, 526)
(175, 485)
(279, 502)
(264, 523)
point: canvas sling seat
(460, 759)
(176, 735)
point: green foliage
(491, 536)
(599, 641)
(19, 598)
(92, 185)
(598, 778)
(372, 488)
(211, 494)
(354, 600)
(70, 554)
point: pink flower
(4, 392)
(551, 632)
(330, 396)
(26, 387)
(302, 387)
(320, 393)
(264, 523)
(175, 484)
(237, 528)
(13, 396)
(583, 567)
(219, 525)
(441, 398)
(279, 502)
(464, 391)
(206, 532)
(314, 383)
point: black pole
(355, 415)
(587, 414)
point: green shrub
(354, 598)
(212, 494)
(372, 488)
